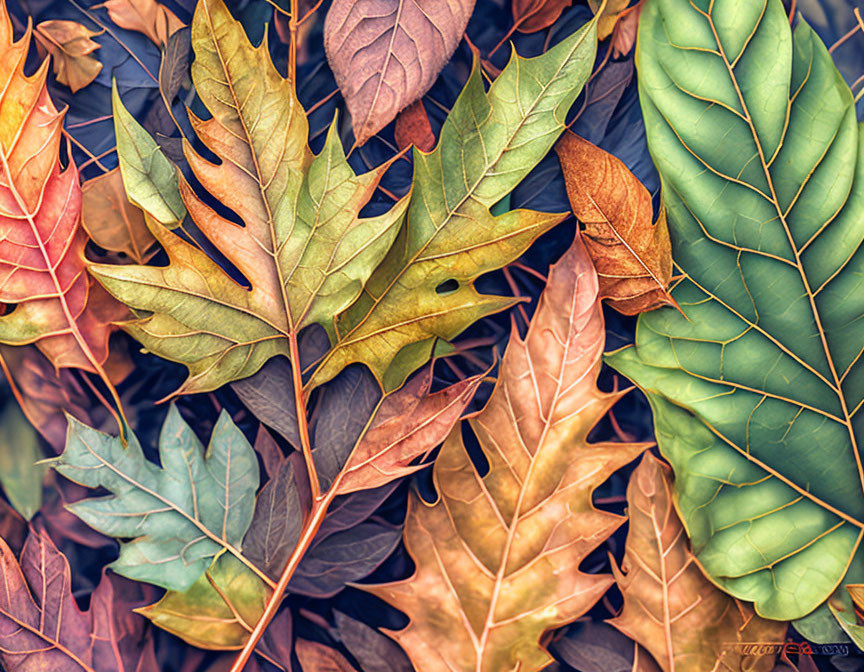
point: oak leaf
(111, 221)
(670, 608)
(149, 17)
(633, 257)
(71, 47)
(386, 54)
(42, 268)
(498, 556)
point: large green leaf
(757, 387)
(178, 516)
(488, 144)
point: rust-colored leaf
(670, 608)
(315, 657)
(498, 556)
(42, 271)
(71, 49)
(530, 16)
(413, 128)
(624, 36)
(633, 257)
(386, 54)
(156, 21)
(111, 221)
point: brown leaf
(41, 628)
(670, 608)
(385, 54)
(111, 221)
(145, 16)
(633, 257)
(413, 128)
(611, 13)
(533, 15)
(624, 36)
(498, 556)
(315, 657)
(408, 424)
(70, 47)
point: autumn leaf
(423, 293)
(57, 305)
(413, 128)
(71, 47)
(315, 657)
(178, 516)
(498, 556)
(670, 608)
(384, 65)
(149, 17)
(297, 209)
(609, 15)
(529, 16)
(111, 221)
(633, 257)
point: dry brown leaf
(498, 556)
(70, 46)
(315, 657)
(385, 54)
(533, 15)
(111, 221)
(625, 31)
(611, 13)
(413, 128)
(633, 257)
(145, 16)
(670, 608)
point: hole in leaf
(447, 287)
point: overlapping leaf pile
(392, 443)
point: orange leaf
(145, 16)
(42, 271)
(670, 608)
(633, 257)
(112, 221)
(533, 15)
(498, 555)
(413, 128)
(70, 46)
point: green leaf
(149, 177)
(488, 144)
(20, 475)
(757, 388)
(303, 246)
(178, 516)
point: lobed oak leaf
(497, 556)
(57, 305)
(633, 257)
(386, 54)
(71, 47)
(670, 608)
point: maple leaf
(386, 54)
(303, 247)
(498, 555)
(71, 46)
(633, 257)
(670, 608)
(42, 268)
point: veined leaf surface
(303, 246)
(757, 387)
(488, 144)
(498, 556)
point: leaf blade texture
(178, 516)
(386, 54)
(498, 556)
(761, 379)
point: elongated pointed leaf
(757, 388)
(180, 515)
(489, 143)
(498, 556)
(670, 608)
(303, 246)
(42, 272)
